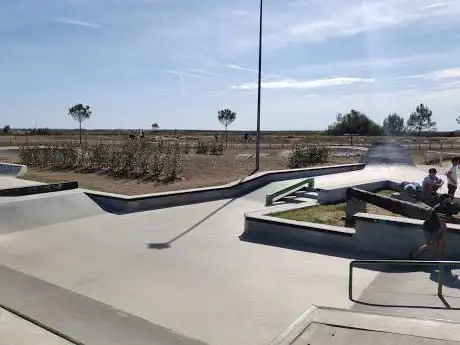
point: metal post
(259, 87)
(440, 279)
(350, 282)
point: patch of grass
(331, 214)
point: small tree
(420, 120)
(80, 113)
(458, 120)
(155, 127)
(393, 125)
(354, 122)
(6, 129)
(226, 118)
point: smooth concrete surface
(12, 182)
(81, 319)
(322, 325)
(410, 291)
(387, 152)
(183, 269)
(321, 334)
(17, 331)
(205, 284)
(45, 209)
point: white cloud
(331, 19)
(303, 84)
(436, 5)
(181, 74)
(241, 68)
(79, 23)
(447, 73)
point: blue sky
(178, 62)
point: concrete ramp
(387, 152)
(35, 211)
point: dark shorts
(451, 189)
(432, 236)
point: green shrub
(186, 148)
(131, 159)
(216, 149)
(303, 156)
(202, 148)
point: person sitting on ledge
(431, 183)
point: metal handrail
(271, 198)
(440, 264)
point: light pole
(259, 89)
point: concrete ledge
(403, 325)
(38, 189)
(338, 193)
(128, 204)
(396, 237)
(267, 229)
(12, 169)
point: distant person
(434, 228)
(432, 182)
(452, 177)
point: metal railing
(271, 198)
(440, 264)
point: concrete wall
(336, 194)
(38, 189)
(379, 236)
(12, 169)
(396, 237)
(279, 231)
(125, 204)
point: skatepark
(86, 267)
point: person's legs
(432, 241)
(451, 189)
(420, 251)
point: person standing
(452, 177)
(434, 228)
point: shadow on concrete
(450, 280)
(165, 245)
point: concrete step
(320, 325)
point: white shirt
(452, 175)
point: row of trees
(356, 122)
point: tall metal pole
(259, 89)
